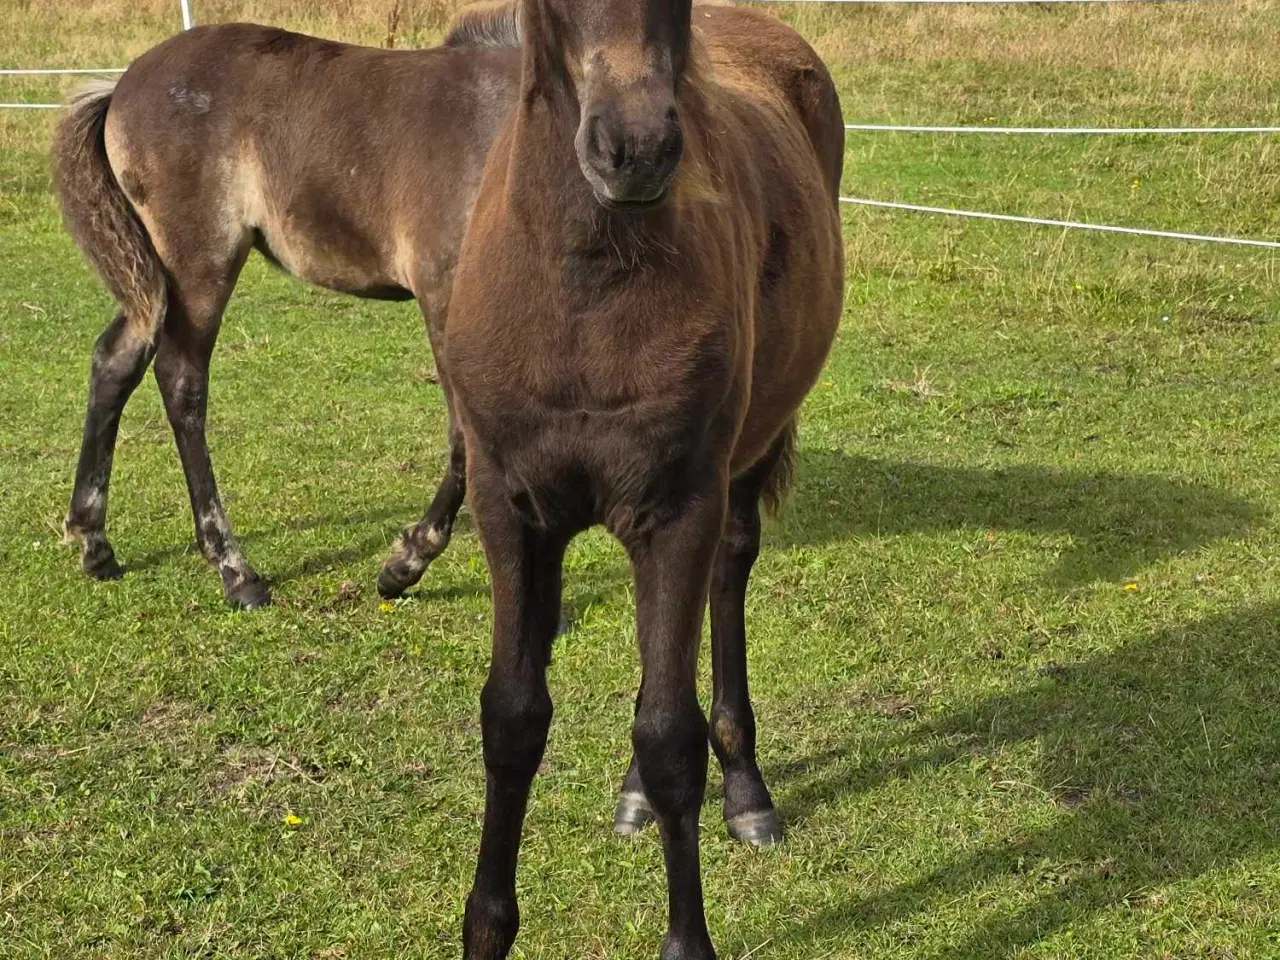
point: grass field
(1015, 642)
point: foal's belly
(331, 257)
(350, 236)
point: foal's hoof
(97, 559)
(632, 815)
(99, 562)
(404, 567)
(248, 594)
(397, 576)
(758, 829)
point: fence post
(187, 22)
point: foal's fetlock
(410, 555)
(687, 948)
(243, 588)
(748, 808)
(97, 559)
(489, 926)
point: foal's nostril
(672, 145)
(619, 156)
(606, 143)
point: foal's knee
(514, 718)
(733, 732)
(671, 750)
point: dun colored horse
(648, 288)
(350, 167)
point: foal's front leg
(421, 543)
(672, 568)
(748, 808)
(515, 708)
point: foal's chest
(593, 405)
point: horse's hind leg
(182, 372)
(421, 543)
(120, 360)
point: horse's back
(339, 161)
(749, 47)
(786, 152)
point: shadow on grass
(1117, 523)
(338, 556)
(1161, 759)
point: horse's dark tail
(100, 217)
(778, 483)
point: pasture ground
(1015, 643)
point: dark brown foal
(648, 288)
(350, 167)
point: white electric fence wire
(1069, 224)
(988, 2)
(187, 23)
(1089, 131)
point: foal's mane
(485, 24)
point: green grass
(1015, 642)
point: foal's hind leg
(182, 372)
(748, 808)
(120, 360)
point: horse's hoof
(632, 815)
(395, 578)
(249, 594)
(758, 829)
(100, 563)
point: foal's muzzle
(629, 161)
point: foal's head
(621, 61)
